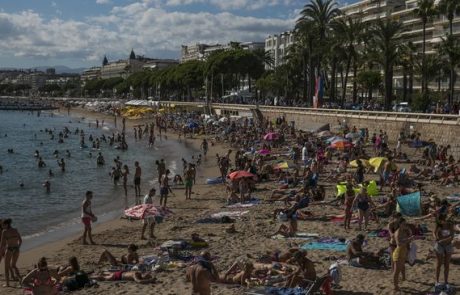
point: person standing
(148, 221)
(403, 238)
(125, 174)
(9, 246)
(204, 146)
(87, 217)
(164, 188)
(444, 235)
(188, 179)
(137, 182)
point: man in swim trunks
(188, 177)
(164, 188)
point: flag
(319, 89)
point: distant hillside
(59, 69)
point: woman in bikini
(41, 280)
(131, 258)
(443, 247)
(136, 276)
(403, 238)
(9, 245)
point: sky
(78, 33)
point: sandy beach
(252, 236)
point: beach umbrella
(282, 165)
(263, 152)
(341, 144)
(192, 125)
(377, 162)
(335, 138)
(353, 135)
(325, 133)
(240, 174)
(271, 136)
(146, 211)
(363, 161)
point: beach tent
(377, 162)
(325, 133)
(410, 205)
(334, 138)
(365, 163)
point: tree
(383, 49)
(407, 62)
(369, 80)
(449, 8)
(349, 31)
(320, 14)
(425, 11)
(450, 49)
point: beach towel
(229, 214)
(284, 291)
(380, 233)
(453, 197)
(341, 219)
(337, 246)
(250, 203)
(410, 205)
(298, 236)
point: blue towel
(284, 291)
(339, 247)
(410, 205)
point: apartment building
(200, 51)
(278, 47)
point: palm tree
(450, 48)
(320, 13)
(384, 48)
(425, 11)
(449, 8)
(349, 32)
(407, 62)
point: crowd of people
(368, 169)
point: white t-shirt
(148, 199)
(304, 153)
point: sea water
(36, 212)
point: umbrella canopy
(325, 133)
(223, 119)
(264, 152)
(341, 144)
(282, 165)
(377, 162)
(364, 162)
(192, 125)
(240, 174)
(146, 211)
(271, 136)
(335, 138)
(353, 135)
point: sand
(252, 237)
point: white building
(278, 46)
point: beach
(253, 236)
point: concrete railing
(338, 113)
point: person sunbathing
(131, 258)
(357, 257)
(42, 280)
(133, 276)
(201, 274)
(238, 273)
(305, 273)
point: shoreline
(50, 241)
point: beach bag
(78, 281)
(335, 273)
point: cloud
(102, 1)
(53, 4)
(153, 31)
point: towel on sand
(229, 214)
(298, 236)
(338, 246)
